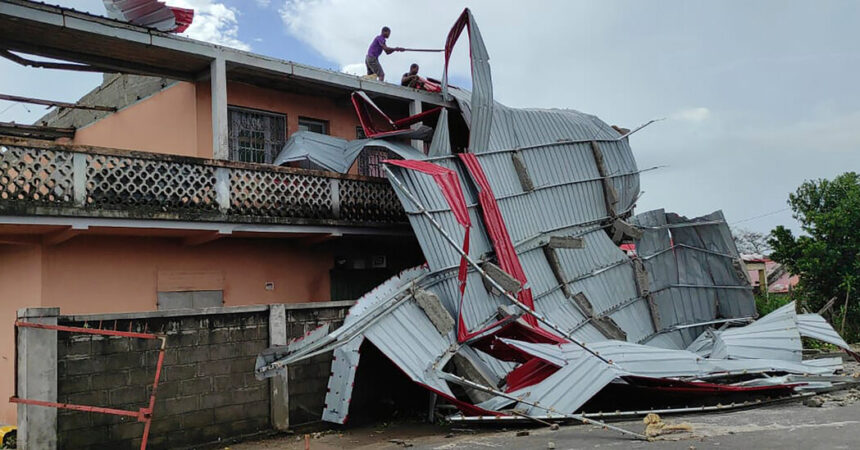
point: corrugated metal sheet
(341, 381)
(816, 327)
(774, 336)
(556, 188)
(335, 154)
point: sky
(757, 96)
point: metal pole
(524, 308)
(579, 417)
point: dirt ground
(829, 422)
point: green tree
(827, 255)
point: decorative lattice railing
(35, 179)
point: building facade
(171, 201)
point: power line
(760, 216)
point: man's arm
(389, 50)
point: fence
(72, 180)
(207, 392)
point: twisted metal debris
(526, 299)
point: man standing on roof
(376, 48)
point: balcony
(39, 179)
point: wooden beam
(39, 101)
(46, 64)
(35, 131)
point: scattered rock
(550, 445)
(654, 426)
(813, 402)
(522, 433)
(449, 435)
(553, 427)
(400, 442)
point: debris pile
(527, 307)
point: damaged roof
(527, 300)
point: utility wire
(760, 216)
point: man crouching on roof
(377, 46)
(411, 78)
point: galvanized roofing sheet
(554, 174)
(335, 154)
(816, 327)
(774, 336)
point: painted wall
(165, 122)
(178, 120)
(339, 113)
(20, 287)
(103, 274)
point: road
(786, 426)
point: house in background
(763, 271)
(165, 196)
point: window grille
(256, 136)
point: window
(256, 136)
(370, 161)
(314, 125)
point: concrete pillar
(415, 108)
(37, 379)
(280, 398)
(220, 140)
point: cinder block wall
(207, 391)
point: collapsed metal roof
(335, 154)
(526, 300)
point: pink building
(165, 197)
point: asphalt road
(785, 426)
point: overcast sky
(758, 95)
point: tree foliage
(827, 254)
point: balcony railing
(40, 179)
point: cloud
(263, 3)
(354, 69)
(692, 114)
(213, 22)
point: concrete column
(220, 141)
(280, 398)
(415, 108)
(37, 379)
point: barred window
(370, 161)
(256, 136)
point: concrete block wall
(117, 90)
(207, 390)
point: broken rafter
(38, 101)
(47, 64)
(35, 131)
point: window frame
(273, 145)
(325, 124)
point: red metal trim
(142, 415)
(127, 334)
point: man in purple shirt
(376, 48)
